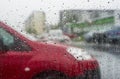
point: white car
(89, 36)
(56, 36)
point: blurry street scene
(97, 31)
(94, 30)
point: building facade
(117, 18)
(81, 16)
(35, 24)
(84, 18)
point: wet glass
(59, 39)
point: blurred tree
(31, 31)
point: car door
(11, 55)
(10, 67)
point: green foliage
(31, 31)
(78, 39)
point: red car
(71, 35)
(21, 58)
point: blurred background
(93, 25)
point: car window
(13, 43)
(7, 38)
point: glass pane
(8, 39)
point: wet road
(108, 57)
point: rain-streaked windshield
(80, 39)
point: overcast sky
(15, 12)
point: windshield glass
(92, 25)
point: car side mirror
(3, 47)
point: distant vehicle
(99, 37)
(89, 36)
(113, 35)
(96, 36)
(56, 36)
(71, 35)
(22, 58)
